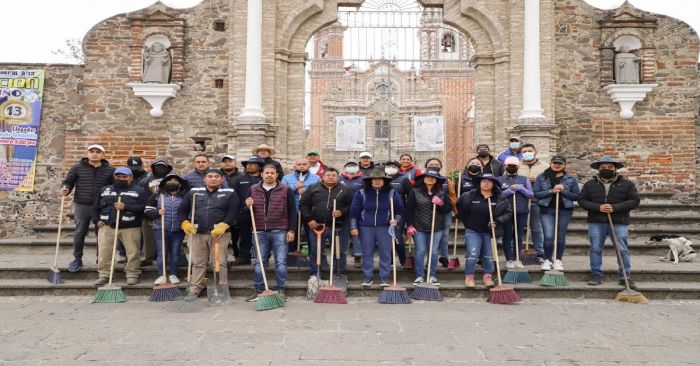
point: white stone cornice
(155, 95)
(626, 95)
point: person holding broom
(552, 183)
(473, 210)
(427, 192)
(449, 187)
(215, 213)
(518, 185)
(275, 217)
(608, 193)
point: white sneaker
(519, 264)
(418, 280)
(173, 279)
(159, 281)
(434, 281)
(546, 265)
(558, 265)
(510, 264)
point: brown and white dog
(679, 248)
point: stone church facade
(574, 114)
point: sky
(35, 28)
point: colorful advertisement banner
(20, 118)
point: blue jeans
(173, 241)
(536, 230)
(400, 242)
(83, 216)
(478, 245)
(377, 237)
(509, 236)
(326, 236)
(275, 241)
(444, 247)
(597, 231)
(422, 240)
(345, 236)
(547, 220)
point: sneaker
(121, 259)
(283, 296)
(488, 280)
(519, 264)
(132, 281)
(101, 281)
(357, 262)
(443, 261)
(418, 280)
(510, 264)
(469, 281)
(546, 265)
(558, 265)
(159, 281)
(75, 265)
(366, 282)
(383, 282)
(434, 281)
(173, 279)
(633, 285)
(253, 297)
(595, 281)
(540, 259)
(193, 294)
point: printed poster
(429, 133)
(350, 133)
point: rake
(529, 257)
(298, 258)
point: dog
(680, 248)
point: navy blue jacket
(371, 207)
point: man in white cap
(229, 166)
(366, 163)
(87, 177)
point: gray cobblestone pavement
(70, 331)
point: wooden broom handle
(528, 226)
(459, 191)
(432, 233)
(330, 277)
(556, 228)
(298, 231)
(494, 248)
(257, 247)
(617, 251)
(515, 229)
(189, 241)
(162, 237)
(58, 234)
(114, 244)
(393, 240)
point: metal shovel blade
(218, 294)
(341, 281)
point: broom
(166, 291)
(626, 295)
(427, 291)
(394, 294)
(267, 299)
(499, 294)
(109, 294)
(54, 275)
(517, 274)
(453, 262)
(554, 277)
(331, 294)
(410, 262)
(298, 258)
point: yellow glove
(188, 228)
(219, 229)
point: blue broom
(428, 291)
(519, 273)
(393, 294)
(166, 291)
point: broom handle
(257, 247)
(528, 226)
(459, 191)
(515, 229)
(58, 235)
(330, 277)
(556, 228)
(189, 241)
(162, 237)
(114, 245)
(430, 250)
(494, 248)
(393, 241)
(617, 251)
(298, 231)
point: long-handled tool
(189, 247)
(554, 277)
(529, 256)
(394, 294)
(166, 291)
(426, 290)
(109, 293)
(315, 282)
(626, 295)
(453, 262)
(410, 262)
(54, 275)
(218, 294)
(499, 294)
(331, 294)
(519, 273)
(340, 279)
(267, 299)
(298, 258)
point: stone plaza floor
(71, 331)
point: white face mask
(352, 169)
(527, 156)
(391, 170)
(514, 145)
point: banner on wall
(429, 133)
(20, 118)
(350, 133)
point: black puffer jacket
(317, 203)
(88, 180)
(419, 209)
(623, 196)
(502, 212)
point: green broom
(267, 299)
(166, 291)
(54, 275)
(394, 294)
(519, 273)
(109, 294)
(626, 295)
(331, 294)
(555, 278)
(499, 294)
(427, 291)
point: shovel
(217, 293)
(315, 282)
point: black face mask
(607, 173)
(511, 170)
(474, 169)
(171, 187)
(160, 170)
(121, 183)
(483, 154)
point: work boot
(132, 281)
(101, 281)
(595, 280)
(488, 280)
(443, 261)
(633, 285)
(193, 294)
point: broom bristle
(503, 295)
(426, 292)
(269, 299)
(517, 275)
(631, 296)
(554, 279)
(54, 276)
(165, 292)
(106, 295)
(330, 295)
(297, 259)
(394, 295)
(529, 258)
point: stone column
(532, 105)
(253, 62)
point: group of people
(372, 206)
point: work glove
(219, 229)
(437, 201)
(188, 228)
(411, 230)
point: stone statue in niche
(626, 67)
(156, 64)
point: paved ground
(70, 331)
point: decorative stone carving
(155, 95)
(626, 95)
(157, 64)
(626, 67)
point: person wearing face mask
(514, 146)
(553, 180)
(491, 165)
(608, 192)
(514, 184)
(172, 189)
(531, 167)
(352, 177)
(104, 214)
(448, 186)
(469, 176)
(403, 186)
(299, 181)
(242, 186)
(160, 167)
(136, 165)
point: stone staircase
(24, 263)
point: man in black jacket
(265, 152)
(104, 214)
(241, 186)
(608, 193)
(87, 178)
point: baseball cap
(123, 170)
(558, 159)
(482, 145)
(511, 160)
(96, 146)
(365, 154)
(351, 161)
(227, 156)
(134, 161)
(312, 152)
(514, 138)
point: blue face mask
(514, 145)
(527, 156)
